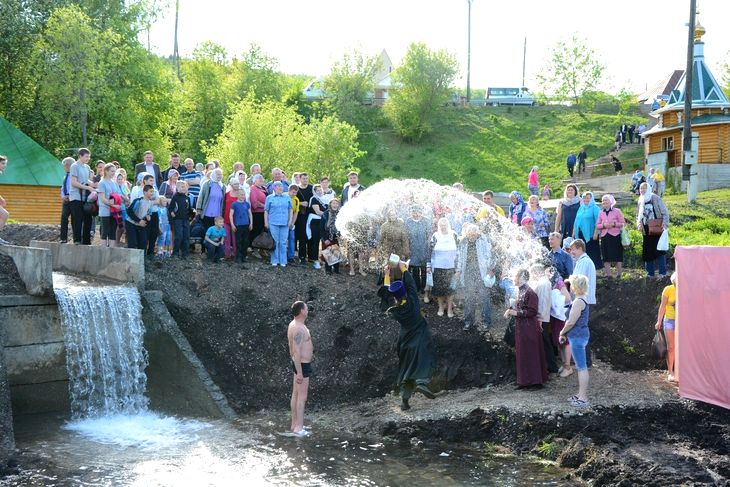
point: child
(214, 240)
(291, 248)
(241, 220)
(107, 187)
(179, 211)
(164, 241)
(138, 215)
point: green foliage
(490, 148)
(548, 449)
(349, 84)
(421, 87)
(572, 71)
(274, 134)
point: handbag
(509, 333)
(429, 280)
(625, 237)
(263, 241)
(659, 346)
(663, 243)
(656, 226)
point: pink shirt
(611, 222)
(532, 179)
(258, 199)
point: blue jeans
(182, 237)
(291, 247)
(279, 233)
(215, 252)
(662, 266)
(477, 293)
(578, 348)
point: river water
(153, 450)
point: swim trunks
(306, 368)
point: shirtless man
(301, 350)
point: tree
(421, 87)
(572, 71)
(256, 73)
(349, 84)
(273, 134)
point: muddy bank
(637, 432)
(236, 320)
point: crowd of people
(446, 248)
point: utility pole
(689, 156)
(524, 61)
(468, 57)
(175, 52)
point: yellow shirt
(295, 205)
(670, 292)
(657, 176)
(483, 212)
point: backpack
(197, 229)
(131, 209)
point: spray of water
(105, 357)
(360, 219)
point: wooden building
(32, 181)
(710, 120)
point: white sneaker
(317, 265)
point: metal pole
(524, 58)
(687, 129)
(468, 57)
(176, 53)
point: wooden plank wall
(32, 204)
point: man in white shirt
(350, 187)
(584, 265)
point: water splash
(105, 357)
(359, 220)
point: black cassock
(415, 346)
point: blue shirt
(193, 190)
(278, 207)
(240, 212)
(562, 262)
(215, 234)
(270, 187)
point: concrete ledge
(118, 264)
(13, 300)
(35, 266)
(7, 439)
(177, 381)
(28, 325)
(35, 364)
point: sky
(639, 41)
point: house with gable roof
(710, 120)
(32, 181)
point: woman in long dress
(567, 209)
(529, 351)
(585, 228)
(416, 356)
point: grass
(492, 147)
(704, 222)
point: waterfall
(105, 356)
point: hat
(526, 220)
(397, 289)
(567, 242)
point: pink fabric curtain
(703, 323)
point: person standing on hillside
(351, 187)
(582, 156)
(570, 162)
(652, 208)
(416, 357)
(533, 181)
(150, 167)
(567, 210)
(301, 351)
(665, 319)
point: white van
(508, 96)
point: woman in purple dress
(529, 352)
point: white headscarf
(646, 197)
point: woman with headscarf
(330, 236)
(651, 207)
(529, 351)
(585, 228)
(540, 220)
(317, 207)
(516, 207)
(444, 254)
(609, 224)
(533, 182)
(167, 189)
(416, 358)
(567, 210)
(212, 198)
